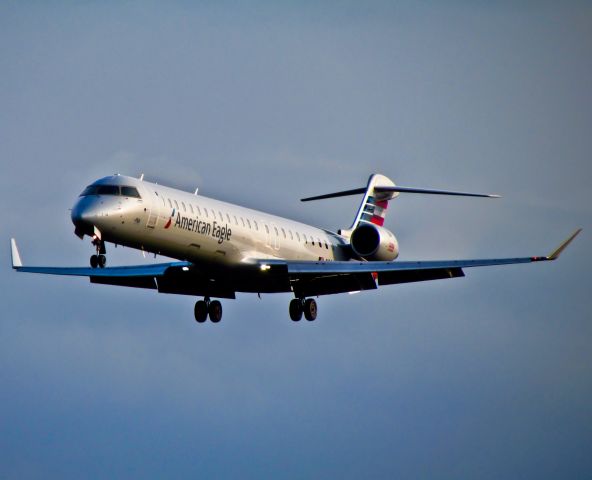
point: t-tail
(368, 237)
(375, 202)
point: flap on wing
(408, 276)
(310, 285)
(137, 282)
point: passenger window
(284, 233)
(297, 236)
(228, 217)
(176, 204)
(235, 220)
(267, 229)
(213, 214)
(170, 203)
(256, 226)
(248, 223)
(206, 212)
(183, 204)
(291, 236)
(326, 246)
(242, 221)
(191, 208)
(277, 234)
(221, 216)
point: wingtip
(555, 253)
(16, 258)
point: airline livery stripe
(379, 211)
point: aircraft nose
(84, 216)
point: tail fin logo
(170, 220)
(374, 211)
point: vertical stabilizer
(374, 204)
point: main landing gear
(204, 308)
(298, 306)
(99, 260)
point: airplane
(221, 248)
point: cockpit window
(130, 192)
(90, 190)
(110, 190)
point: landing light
(265, 267)
(185, 269)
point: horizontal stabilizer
(432, 192)
(397, 189)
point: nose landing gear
(204, 308)
(298, 306)
(98, 260)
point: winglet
(555, 253)
(16, 258)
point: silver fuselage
(207, 232)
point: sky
(262, 103)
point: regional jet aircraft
(223, 248)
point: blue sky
(487, 376)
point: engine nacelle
(372, 242)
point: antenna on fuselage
(195, 193)
(141, 177)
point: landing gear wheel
(296, 309)
(310, 309)
(215, 311)
(99, 259)
(201, 311)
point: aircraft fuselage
(204, 231)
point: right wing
(311, 278)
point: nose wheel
(99, 260)
(299, 306)
(204, 308)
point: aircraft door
(153, 209)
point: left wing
(324, 277)
(154, 270)
(172, 277)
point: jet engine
(372, 242)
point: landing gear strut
(298, 306)
(99, 260)
(204, 308)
